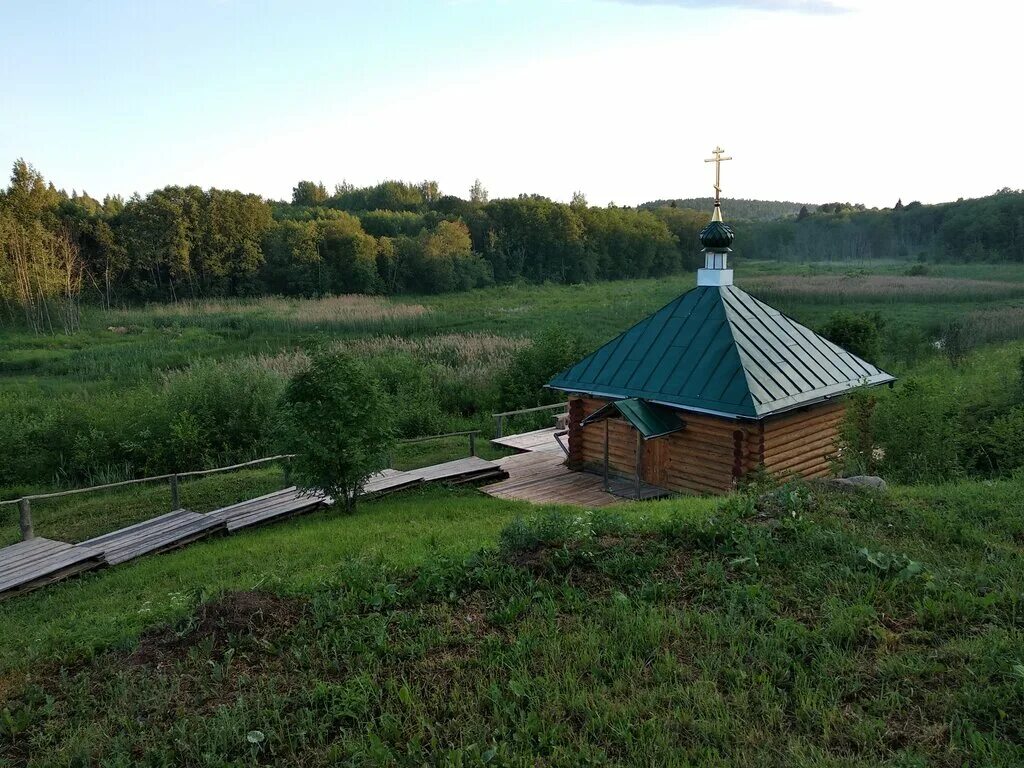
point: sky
(816, 100)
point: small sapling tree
(336, 420)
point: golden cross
(717, 160)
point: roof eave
(783, 405)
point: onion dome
(717, 235)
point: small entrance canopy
(649, 420)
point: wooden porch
(539, 475)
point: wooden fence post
(472, 444)
(25, 519)
(500, 420)
(175, 496)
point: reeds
(473, 357)
(830, 289)
(348, 312)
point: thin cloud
(815, 7)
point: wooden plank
(537, 440)
(175, 529)
(467, 466)
(31, 564)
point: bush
(917, 429)
(552, 352)
(855, 332)
(334, 417)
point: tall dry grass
(828, 289)
(351, 310)
(989, 325)
(471, 358)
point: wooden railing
(499, 418)
(470, 433)
(25, 502)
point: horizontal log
(828, 418)
(812, 464)
(803, 438)
(803, 474)
(685, 485)
(701, 473)
(826, 472)
(709, 450)
(822, 446)
(772, 430)
(809, 413)
(817, 455)
(699, 470)
(800, 439)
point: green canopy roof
(717, 349)
(650, 420)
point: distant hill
(738, 209)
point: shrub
(917, 430)
(855, 332)
(532, 367)
(334, 417)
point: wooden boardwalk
(175, 529)
(31, 564)
(39, 561)
(538, 440)
(263, 509)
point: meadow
(162, 388)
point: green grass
(797, 628)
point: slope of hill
(799, 627)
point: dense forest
(185, 242)
(57, 249)
(983, 229)
(737, 209)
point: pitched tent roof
(717, 349)
(649, 420)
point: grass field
(444, 627)
(798, 628)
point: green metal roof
(650, 420)
(719, 350)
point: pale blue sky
(619, 98)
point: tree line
(982, 229)
(181, 243)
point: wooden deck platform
(31, 564)
(263, 509)
(472, 469)
(542, 478)
(538, 440)
(170, 531)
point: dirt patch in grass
(251, 617)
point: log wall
(711, 453)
